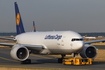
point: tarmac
(45, 61)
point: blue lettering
(53, 37)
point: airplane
(48, 43)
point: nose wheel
(60, 59)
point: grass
(100, 55)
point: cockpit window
(77, 39)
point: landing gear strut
(60, 59)
(74, 55)
(28, 61)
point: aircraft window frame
(77, 39)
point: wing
(7, 38)
(95, 41)
(30, 47)
(34, 47)
(7, 44)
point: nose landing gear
(61, 59)
(74, 55)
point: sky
(58, 15)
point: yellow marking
(18, 19)
(42, 56)
(7, 59)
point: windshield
(77, 39)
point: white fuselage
(56, 42)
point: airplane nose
(78, 45)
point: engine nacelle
(19, 52)
(89, 51)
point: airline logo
(53, 37)
(18, 19)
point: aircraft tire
(28, 61)
(60, 60)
